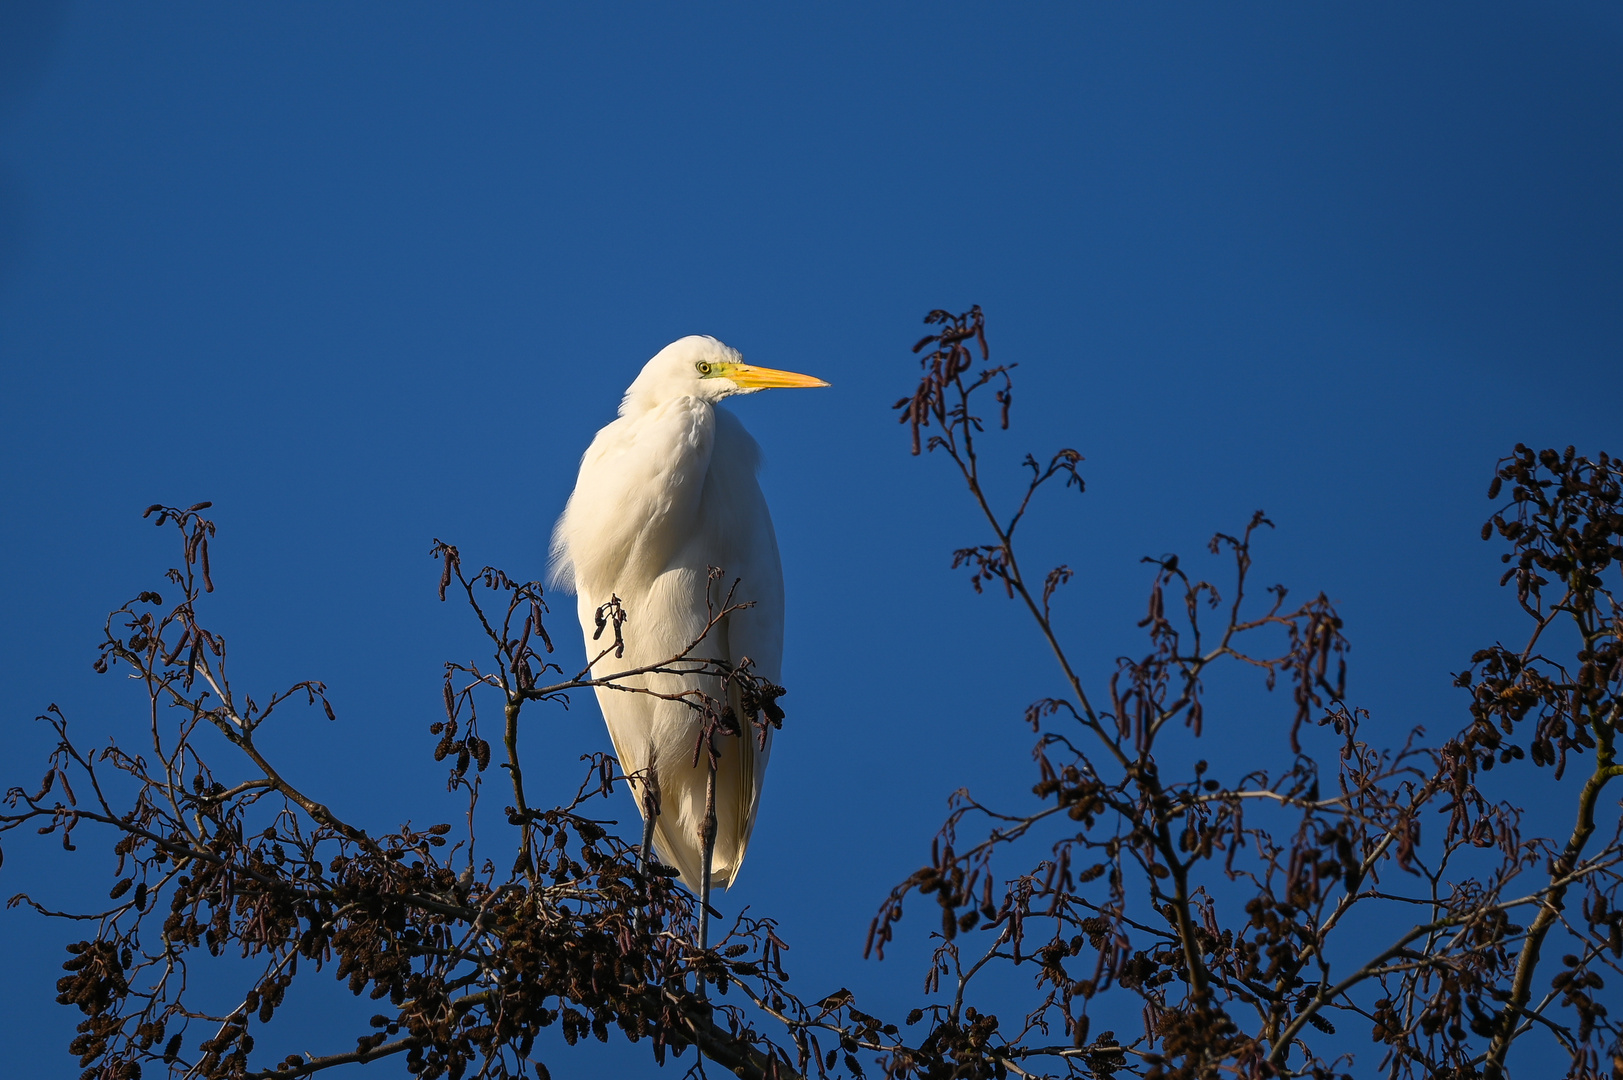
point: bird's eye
(703, 366)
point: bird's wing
(634, 508)
(750, 548)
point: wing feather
(754, 633)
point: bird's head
(703, 367)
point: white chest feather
(637, 499)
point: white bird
(666, 492)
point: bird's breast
(638, 496)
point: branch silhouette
(1338, 892)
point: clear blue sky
(369, 274)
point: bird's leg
(645, 853)
(709, 837)
(650, 815)
(648, 800)
(707, 834)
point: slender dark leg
(646, 857)
(648, 791)
(708, 835)
(645, 854)
(709, 856)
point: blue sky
(366, 275)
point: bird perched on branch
(665, 493)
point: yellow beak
(759, 378)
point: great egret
(666, 492)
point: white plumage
(665, 492)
